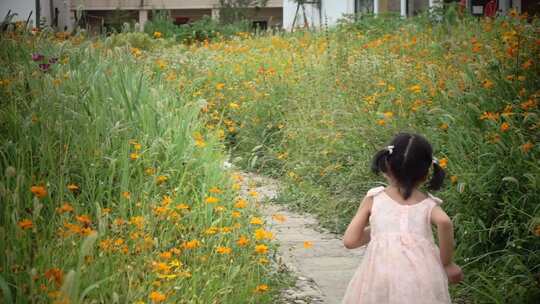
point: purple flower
(37, 57)
(53, 60)
(44, 66)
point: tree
(232, 11)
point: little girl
(402, 264)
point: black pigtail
(437, 179)
(378, 164)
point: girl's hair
(408, 158)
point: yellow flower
(150, 171)
(261, 249)
(73, 187)
(158, 35)
(182, 206)
(253, 193)
(220, 86)
(240, 203)
(215, 190)
(136, 52)
(161, 179)
(388, 114)
(137, 221)
(156, 296)
(261, 234)
(126, 195)
(453, 179)
(415, 89)
(236, 214)
(308, 244)
(134, 156)
(261, 288)
(137, 147)
(443, 126)
(39, 191)
(256, 221)
(223, 250)
(26, 224)
(212, 200)
(233, 105)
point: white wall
(21, 7)
(332, 11)
(24, 7)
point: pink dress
(401, 264)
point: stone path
(322, 265)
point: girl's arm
(356, 235)
(445, 231)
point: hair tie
(390, 149)
(435, 161)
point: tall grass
(112, 190)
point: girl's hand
(454, 273)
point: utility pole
(38, 13)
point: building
(67, 14)
(327, 12)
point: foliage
(200, 30)
(313, 108)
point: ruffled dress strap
(375, 191)
(434, 201)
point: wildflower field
(112, 148)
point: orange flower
(443, 126)
(126, 195)
(505, 126)
(537, 230)
(488, 84)
(55, 274)
(242, 241)
(453, 179)
(489, 116)
(39, 191)
(236, 214)
(84, 219)
(261, 288)
(443, 163)
(165, 255)
(192, 244)
(308, 244)
(381, 122)
(526, 147)
(223, 250)
(156, 296)
(220, 86)
(66, 207)
(279, 218)
(26, 224)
